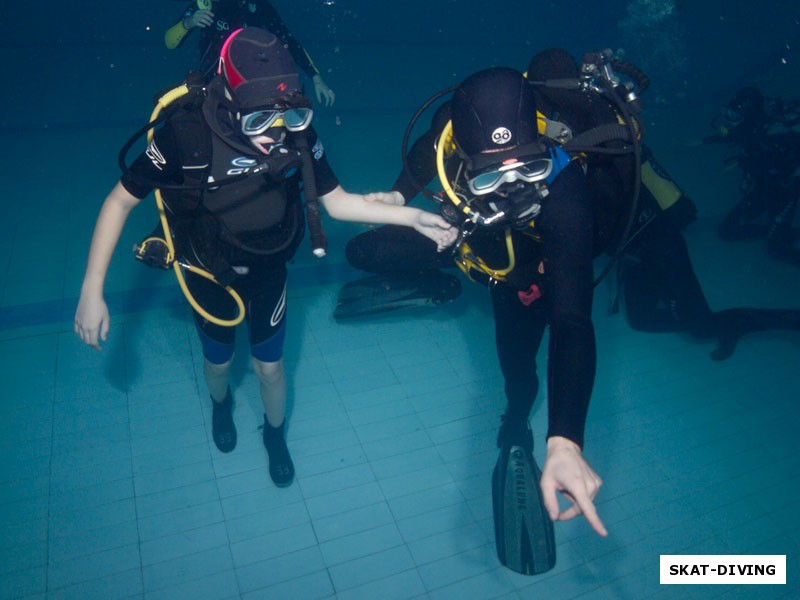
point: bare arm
(344, 206)
(91, 317)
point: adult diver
(524, 208)
(763, 131)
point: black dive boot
(515, 432)
(733, 323)
(222, 427)
(281, 468)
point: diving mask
(511, 170)
(293, 119)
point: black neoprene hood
(258, 68)
(494, 110)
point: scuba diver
(525, 212)
(390, 250)
(658, 287)
(227, 166)
(217, 18)
(769, 157)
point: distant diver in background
(659, 289)
(216, 19)
(762, 130)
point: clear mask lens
(293, 119)
(297, 119)
(515, 170)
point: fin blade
(524, 535)
(384, 293)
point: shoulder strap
(194, 147)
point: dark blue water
(97, 62)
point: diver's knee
(268, 373)
(217, 369)
(357, 254)
(354, 253)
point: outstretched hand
(325, 94)
(567, 472)
(435, 228)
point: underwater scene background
(110, 486)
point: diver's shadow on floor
(116, 369)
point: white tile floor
(111, 487)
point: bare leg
(273, 394)
(217, 379)
(223, 428)
(272, 379)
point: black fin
(383, 293)
(734, 323)
(523, 530)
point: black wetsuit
(660, 290)
(565, 227)
(230, 15)
(569, 232)
(565, 251)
